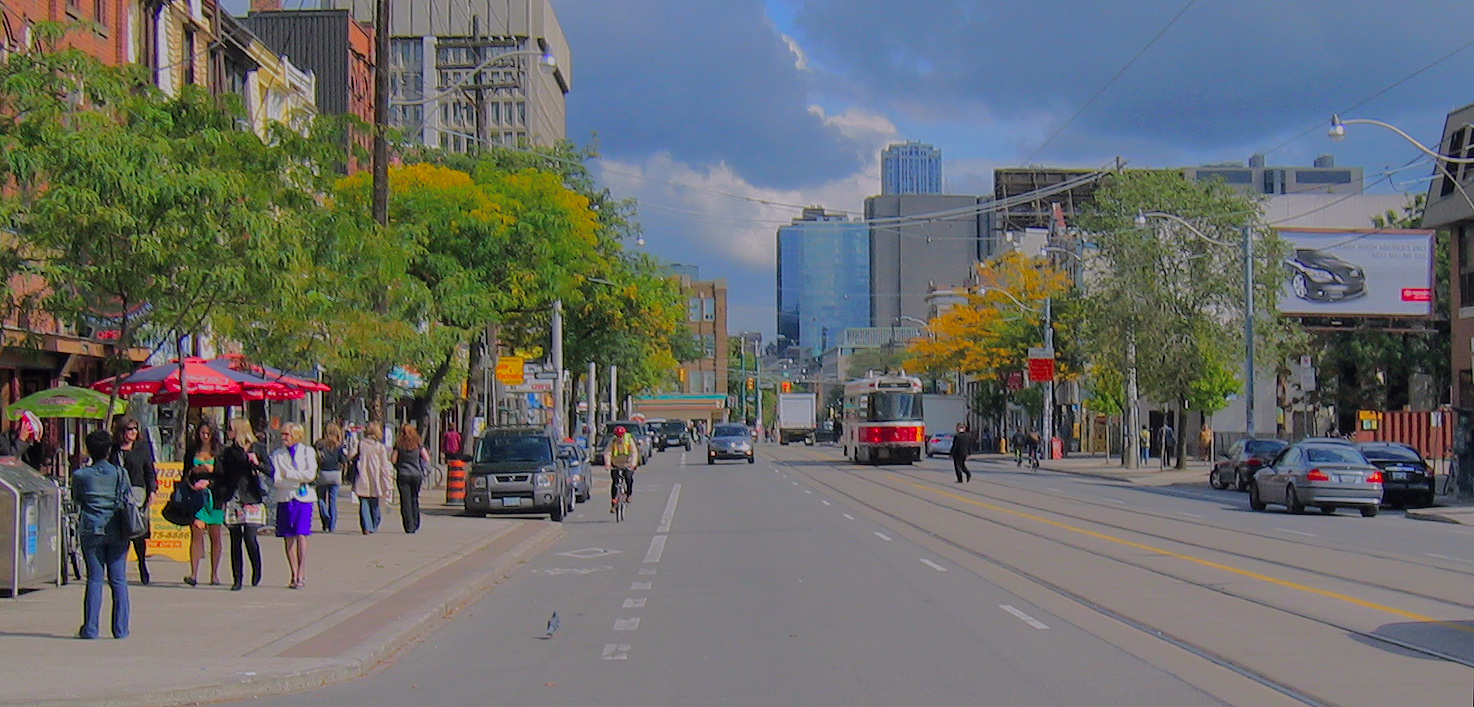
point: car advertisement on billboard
(1358, 273)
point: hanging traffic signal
(751, 383)
(786, 387)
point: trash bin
(30, 529)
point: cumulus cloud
(1225, 73)
(710, 82)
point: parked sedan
(730, 442)
(577, 462)
(1321, 474)
(939, 444)
(1406, 477)
(1236, 467)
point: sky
(724, 117)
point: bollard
(455, 482)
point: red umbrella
(201, 379)
(238, 363)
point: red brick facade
(107, 44)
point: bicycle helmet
(619, 430)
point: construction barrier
(455, 482)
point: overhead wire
(1111, 81)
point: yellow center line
(1195, 560)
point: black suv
(518, 470)
(672, 433)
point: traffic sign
(509, 369)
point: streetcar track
(1195, 649)
(1225, 550)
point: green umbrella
(67, 401)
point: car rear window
(673, 428)
(1400, 454)
(1334, 455)
(730, 431)
(531, 449)
(1265, 446)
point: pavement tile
(366, 596)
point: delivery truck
(797, 417)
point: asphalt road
(801, 580)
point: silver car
(1318, 473)
(729, 441)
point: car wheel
(1292, 501)
(710, 461)
(751, 460)
(1426, 500)
(1368, 511)
(1300, 286)
(1255, 502)
(559, 512)
(1215, 479)
(1241, 483)
(1327, 510)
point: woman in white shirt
(296, 472)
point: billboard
(1357, 273)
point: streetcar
(882, 420)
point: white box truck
(797, 417)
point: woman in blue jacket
(96, 490)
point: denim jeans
(105, 555)
(368, 514)
(327, 507)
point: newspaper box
(30, 523)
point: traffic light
(751, 383)
(786, 387)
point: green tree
(1169, 303)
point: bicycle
(1034, 459)
(71, 540)
(621, 499)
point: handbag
(133, 522)
(183, 504)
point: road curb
(1433, 517)
(382, 645)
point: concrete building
(823, 279)
(835, 361)
(1019, 184)
(706, 314)
(450, 91)
(911, 168)
(909, 258)
(1257, 178)
(1449, 208)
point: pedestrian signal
(787, 387)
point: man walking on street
(962, 445)
(1169, 444)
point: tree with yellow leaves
(990, 333)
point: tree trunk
(483, 347)
(424, 403)
(1181, 428)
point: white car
(939, 444)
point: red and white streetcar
(882, 420)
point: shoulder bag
(183, 503)
(132, 521)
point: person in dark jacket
(331, 458)
(410, 459)
(243, 479)
(962, 445)
(97, 491)
(136, 455)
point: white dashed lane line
(641, 586)
(1185, 513)
(616, 651)
(933, 565)
(825, 502)
(1036, 623)
(808, 492)
(1296, 532)
(882, 536)
(849, 516)
(657, 548)
(627, 624)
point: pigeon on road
(553, 624)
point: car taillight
(1317, 475)
(1254, 461)
(1374, 477)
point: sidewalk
(366, 598)
(1099, 466)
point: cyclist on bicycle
(1019, 441)
(620, 460)
(1034, 444)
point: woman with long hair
(330, 461)
(200, 459)
(135, 455)
(375, 481)
(296, 471)
(410, 459)
(243, 476)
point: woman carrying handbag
(243, 483)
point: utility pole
(1048, 425)
(593, 395)
(382, 14)
(613, 392)
(1129, 451)
(559, 400)
(1248, 331)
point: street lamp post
(1248, 248)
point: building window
(99, 11)
(709, 310)
(189, 59)
(1464, 243)
(1323, 176)
(1455, 146)
(693, 309)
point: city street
(800, 580)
